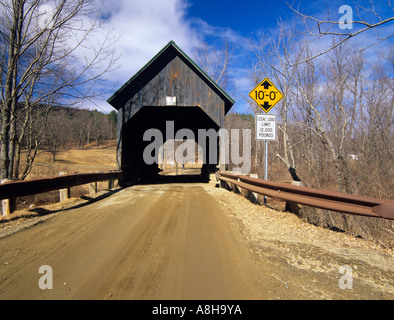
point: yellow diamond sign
(266, 95)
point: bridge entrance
(169, 98)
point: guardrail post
(292, 206)
(253, 195)
(235, 188)
(93, 188)
(224, 185)
(64, 194)
(111, 184)
(8, 206)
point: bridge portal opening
(169, 143)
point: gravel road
(187, 241)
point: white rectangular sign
(171, 101)
(265, 127)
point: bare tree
(336, 111)
(375, 134)
(320, 108)
(99, 127)
(214, 62)
(56, 134)
(275, 63)
(48, 60)
(307, 76)
(349, 25)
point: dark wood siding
(176, 79)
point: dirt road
(180, 241)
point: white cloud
(143, 28)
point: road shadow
(39, 212)
(167, 179)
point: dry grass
(74, 160)
(90, 159)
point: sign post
(266, 95)
(265, 131)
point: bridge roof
(225, 96)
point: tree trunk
(10, 94)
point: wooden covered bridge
(170, 87)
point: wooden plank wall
(176, 79)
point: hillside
(76, 160)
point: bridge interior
(136, 170)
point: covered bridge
(170, 87)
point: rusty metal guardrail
(335, 201)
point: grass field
(91, 159)
(74, 160)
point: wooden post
(111, 184)
(235, 188)
(64, 194)
(224, 185)
(8, 206)
(253, 195)
(93, 188)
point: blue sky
(145, 26)
(244, 17)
